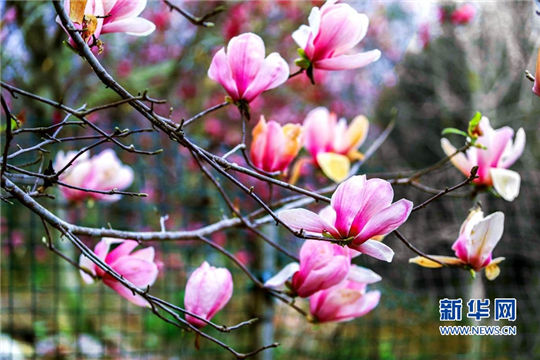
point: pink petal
(121, 9)
(498, 144)
(341, 28)
(246, 55)
(275, 143)
(386, 220)
(346, 62)
(375, 249)
(319, 129)
(302, 219)
(377, 195)
(346, 201)
(140, 273)
(132, 26)
(514, 150)
(367, 302)
(146, 254)
(221, 72)
(121, 250)
(125, 292)
(207, 291)
(273, 72)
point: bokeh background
(434, 74)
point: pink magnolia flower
(334, 30)
(360, 210)
(208, 290)
(346, 300)
(108, 16)
(103, 172)
(536, 86)
(322, 265)
(243, 70)
(500, 153)
(477, 238)
(274, 147)
(331, 143)
(137, 267)
(463, 14)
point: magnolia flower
(347, 300)
(334, 30)
(360, 210)
(243, 70)
(463, 14)
(331, 143)
(499, 153)
(274, 147)
(477, 238)
(322, 265)
(208, 290)
(103, 172)
(536, 87)
(96, 17)
(137, 267)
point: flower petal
(485, 235)
(302, 219)
(357, 132)
(220, 71)
(132, 26)
(122, 9)
(513, 150)
(363, 275)
(347, 62)
(335, 166)
(125, 292)
(121, 250)
(273, 72)
(506, 183)
(427, 263)
(386, 221)
(376, 249)
(246, 57)
(140, 273)
(282, 276)
(347, 200)
(459, 160)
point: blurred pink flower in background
(208, 290)
(346, 300)
(244, 71)
(331, 143)
(103, 172)
(536, 86)
(334, 30)
(360, 210)
(274, 147)
(463, 14)
(322, 265)
(137, 267)
(500, 153)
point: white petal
(363, 275)
(506, 182)
(281, 277)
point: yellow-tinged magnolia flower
(274, 147)
(331, 143)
